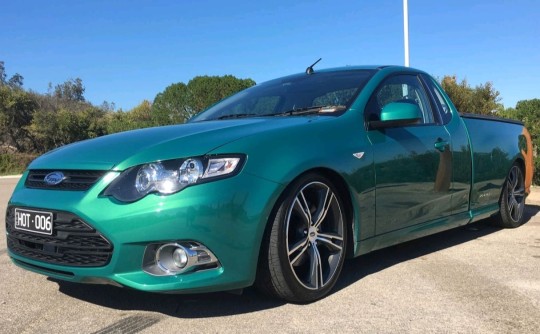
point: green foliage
(14, 163)
(208, 90)
(136, 118)
(16, 111)
(63, 119)
(179, 102)
(72, 90)
(16, 81)
(482, 99)
(528, 112)
(32, 123)
(3, 74)
(54, 128)
(173, 105)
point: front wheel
(305, 246)
(512, 202)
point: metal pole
(406, 31)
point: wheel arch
(520, 162)
(341, 186)
(504, 217)
(269, 280)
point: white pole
(406, 31)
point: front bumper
(227, 216)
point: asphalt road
(477, 279)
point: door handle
(441, 145)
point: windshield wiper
(292, 112)
(235, 116)
(310, 110)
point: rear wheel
(512, 202)
(305, 246)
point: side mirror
(398, 114)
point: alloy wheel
(315, 231)
(516, 193)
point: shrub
(14, 163)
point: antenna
(309, 70)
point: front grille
(73, 242)
(79, 180)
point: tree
(16, 111)
(482, 99)
(525, 110)
(172, 106)
(207, 90)
(2, 73)
(54, 128)
(179, 102)
(16, 81)
(60, 119)
(136, 118)
(107, 106)
(116, 122)
(528, 112)
(141, 115)
(71, 90)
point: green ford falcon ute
(273, 187)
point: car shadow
(203, 305)
(365, 265)
(226, 303)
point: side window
(444, 108)
(399, 88)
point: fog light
(173, 258)
(180, 257)
(176, 258)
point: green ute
(274, 186)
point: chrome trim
(54, 178)
(199, 258)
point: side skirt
(421, 230)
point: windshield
(327, 93)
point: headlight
(169, 177)
(191, 171)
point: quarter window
(444, 108)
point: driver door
(412, 162)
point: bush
(14, 163)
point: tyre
(305, 243)
(512, 201)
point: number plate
(34, 221)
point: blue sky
(128, 51)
